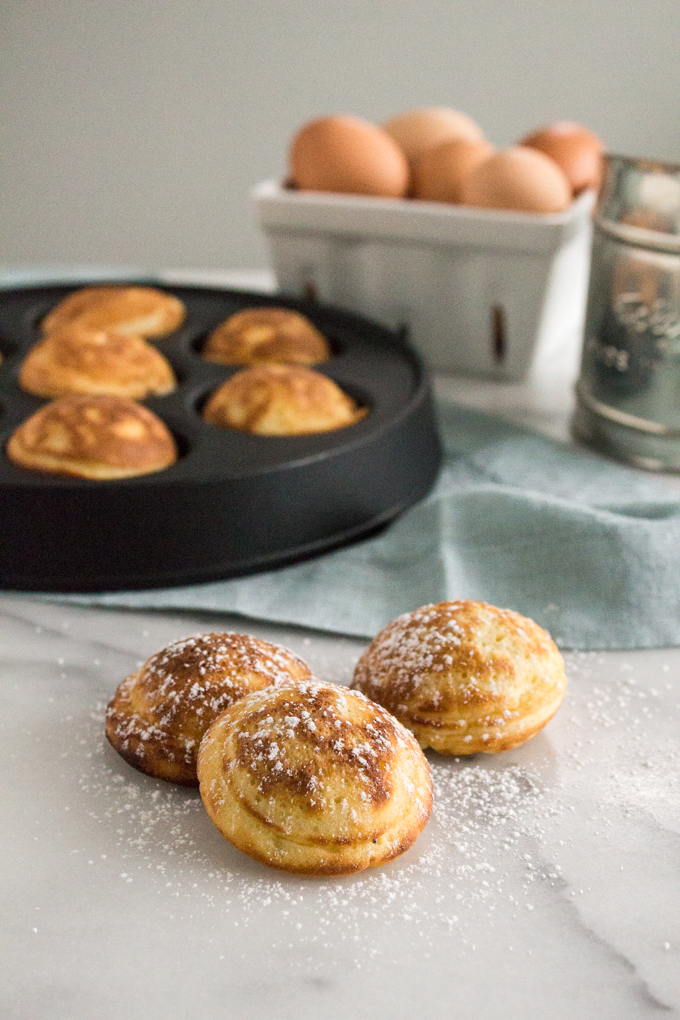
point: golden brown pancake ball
(281, 400)
(160, 713)
(266, 336)
(75, 359)
(142, 311)
(96, 437)
(314, 779)
(464, 676)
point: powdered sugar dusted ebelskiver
(314, 779)
(464, 676)
(159, 714)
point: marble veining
(546, 883)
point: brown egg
(518, 178)
(349, 155)
(439, 174)
(419, 130)
(574, 148)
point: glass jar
(628, 393)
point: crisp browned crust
(141, 311)
(281, 400)
(75, 359)
(266, 336)
(464, 676)
(95, 437)
(314, 779)
(159, 714)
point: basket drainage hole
(498, 334)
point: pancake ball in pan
(266, 336)
(281, 400)
(142, 311)
(75, 359)
(95, 437)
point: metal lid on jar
(639, 202)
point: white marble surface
(547, 883)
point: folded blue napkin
(587, 548)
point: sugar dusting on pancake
(314, 779)
(159, 714)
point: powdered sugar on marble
(496, 818)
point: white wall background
(134, 129)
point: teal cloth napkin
(587, 548)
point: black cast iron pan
(234, 503)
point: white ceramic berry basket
(478, 291)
